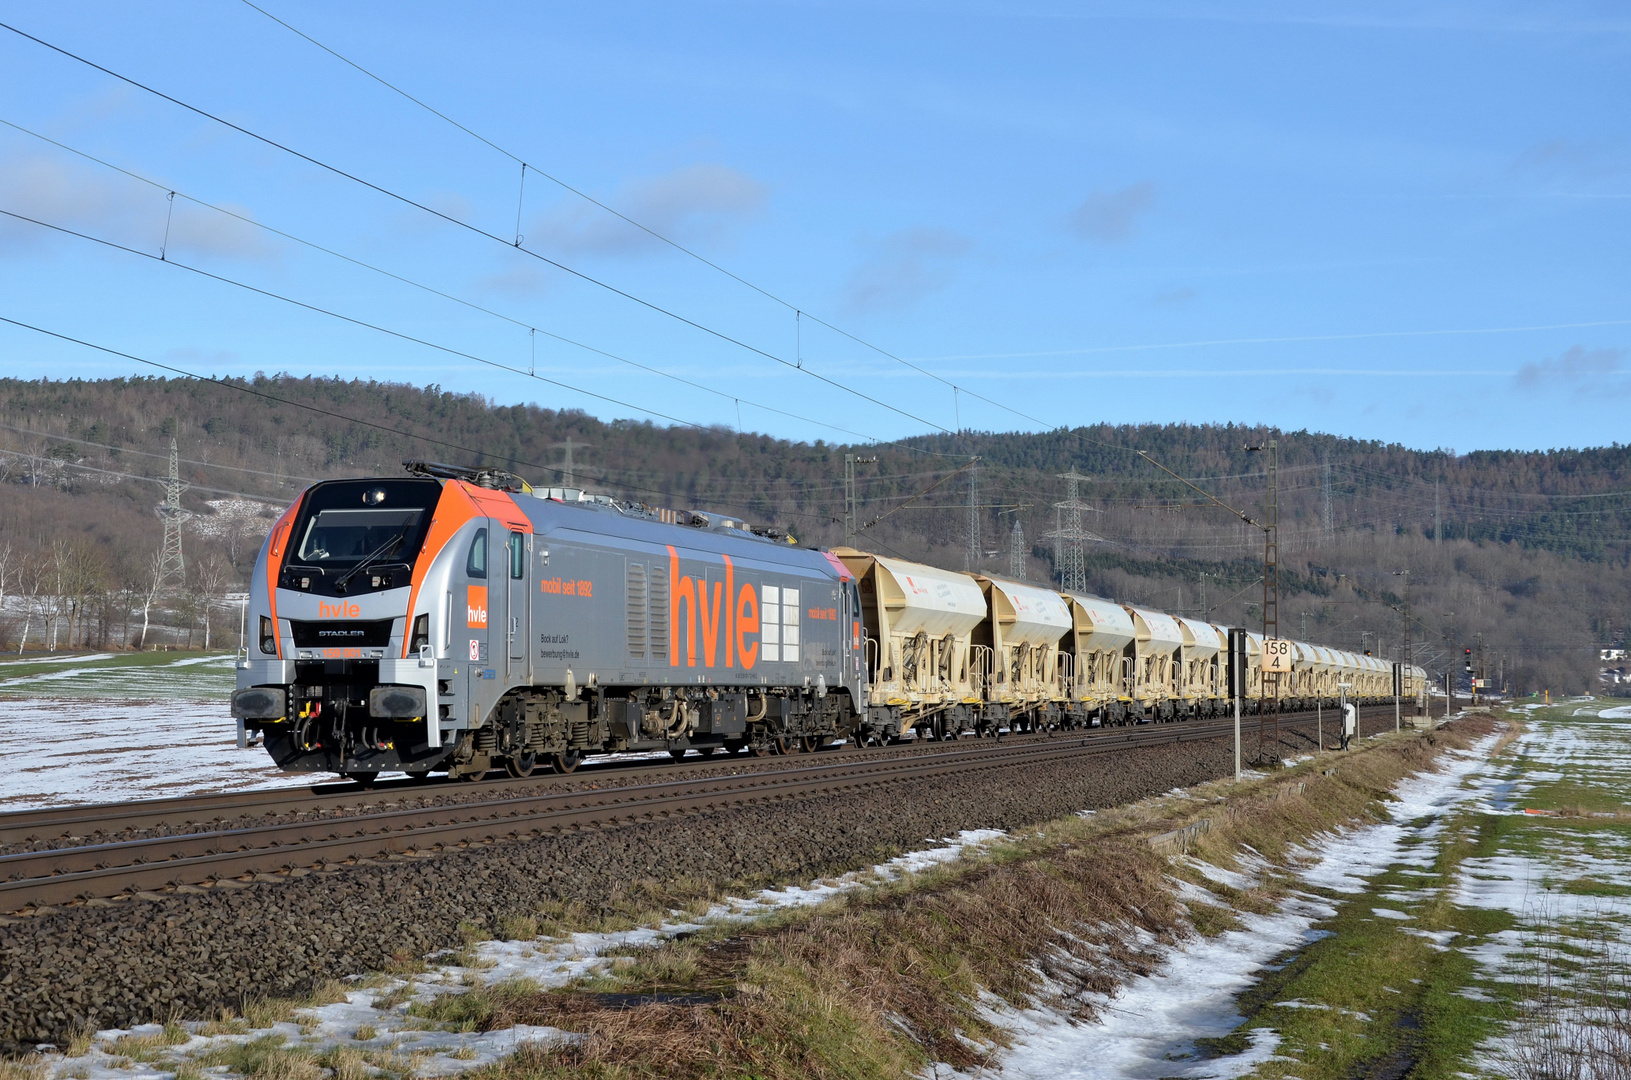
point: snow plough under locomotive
(457, 620)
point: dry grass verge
(880, 983)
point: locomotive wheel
(761, 749)
(811, 743)
(566, 761)
(520, 766)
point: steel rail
(24, 826)
(64, 875)
(21, 826)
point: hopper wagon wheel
(521, 765)
(785, 745)
(676, 752)
(707, 751)
(566, 761)
(362, 779)
(761, 748)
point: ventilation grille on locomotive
(639, 611)
(658, 637)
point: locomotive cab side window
(518, 556)
(476, 565)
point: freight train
(456, 620)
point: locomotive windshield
(347, 523)
(334, 536)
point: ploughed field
(195, 950)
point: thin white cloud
(697, 203)
(1397, 15)
(1176, 297)
(1110, 217)
(904, 268)
(46, 190)
(198, 229)
(1295, 338)
(116, 209)
(522, 281)
(1596, 371)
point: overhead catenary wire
(723, 492)
(476, 454)
(162, 457)
(799, 313)
(477, 230)
(432, 290)
(564, 268)
(347, 318)
(160, 480)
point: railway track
(375, 824)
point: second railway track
(34, 880)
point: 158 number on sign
(1277, 656)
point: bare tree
(155, 578)
(8, 572)
(31, 578)
(56, 571)
(212, 578)
(84, 579)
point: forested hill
(1542, 538)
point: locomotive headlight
(421, 633)
(268, 637)
(373, 496)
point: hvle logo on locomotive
(735, 611)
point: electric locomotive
(458, 620)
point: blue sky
(1396, 221)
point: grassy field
(133, 676)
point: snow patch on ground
(1150, 1029)
(1531, 873)
(71, 751)
(547, 962)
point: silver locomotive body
(440, 624)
